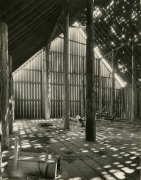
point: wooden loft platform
(115, 154)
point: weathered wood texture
(133, 107)
(0, 105)
(27, 88)
(125, 99)
(4, 68)
(138, 98)
(66, 67)
(90, 81)
(11, 98)
(112, 109)
(46, 83)
(28, 98)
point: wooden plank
(99, 85)
(94, 153)
(34, 89)
(0, 101)
(80, 161)
(115, 149)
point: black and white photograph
(70, 89)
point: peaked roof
(31, 23)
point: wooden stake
(65, 68)
(90, 111)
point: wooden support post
(0, 123)
(133, 105)
(0, 95)
(82, 90)
(15, 161)
(90, 111)
(65, 68)
(45, 83)
(11, 97)
(45, 73)
(4, 84)
(112, 109)
(0, 98)
(99, 85)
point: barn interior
(70, 89)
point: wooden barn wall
(77, 71)
(77, 52)
(28, 81)
(27, 88)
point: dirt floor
(115, 154)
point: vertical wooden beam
(42, 85)
(65, 68)
(0, 97)
(133, 105)
(112, 109)
(45, 87)
(90, 111)
(0, 110)
(82, 89)
(15, 160)
(99, 85)
(4, 83)
(11, 97)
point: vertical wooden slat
(82, 88)
(30, 91)
(34, 89)
(99, 85)
(23, 94)
(40, 79)
(112, 110)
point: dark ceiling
(116, 24)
